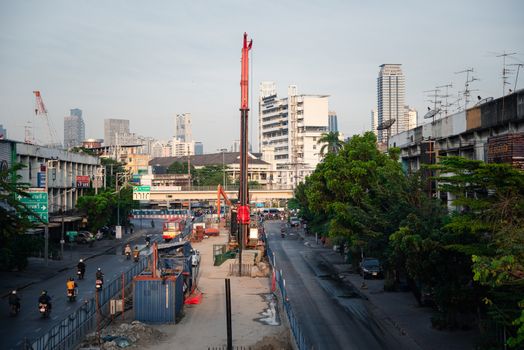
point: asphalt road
(28, 324)
(330, 315)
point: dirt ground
(255, 323)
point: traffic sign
(141, 193)
(37, 202)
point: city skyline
(146, 69)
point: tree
(179, 168)
(490, 200)
(331, 142)
(15, 247)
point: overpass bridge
(171, 194)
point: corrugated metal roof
(205, 159)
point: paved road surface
(28, 323)
(330, 315)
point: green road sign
(142, 189)
(37, 202)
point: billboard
(82, 181)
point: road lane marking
(20, 342)
(69, 307)
(38, 330)
(54, 318)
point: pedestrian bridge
(159, 194)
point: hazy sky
(146, 61)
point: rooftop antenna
(467, 91)
(505, 72)
(445, 96)
(434, 99)
(517, 77)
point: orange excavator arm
(220, 192)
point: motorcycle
(99, 283)
(44, 310)
(80, 274)
(71, 294)
(136, 257)
(128, 255)
(13, 310)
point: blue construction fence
(69, 332)
(298, 336)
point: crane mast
(243, 213)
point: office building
(390, 99)
(183, 127)
(181, 148)
(199, 148)
(332, 121)
(74, 129)
(113, 128)
(374, 121)
(289, 129)
(411, 116)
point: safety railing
(69, 332)
(298, 336)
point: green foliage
(211, 175)
(331, 142)
(472, 258)
(179, 168)
(112, 168)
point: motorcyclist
(136, 253)
(148, 240)
(81, 266)
(152, 224)
(71, 284)
(45, 299)
(14, 299)
(99, 274)
(127, 250)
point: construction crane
(243, 212)
(41, 111)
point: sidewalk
(397, 310)
(37, 270)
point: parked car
(294, 221)
(84, 237)
(370, 267)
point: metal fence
(69, 332)
(298, 336)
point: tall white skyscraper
(113, 128)
(183, 127)
(289, 129)
(374, 121)
(74, 129)
(390, 99)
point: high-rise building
(289, 129)
(183, 127)
(374, 121)
(199, 148)
(390, 99)
(332, 121)
(411, 115)
(181, 148)
(3, 132)
(74, 129)
(113, 128)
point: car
(294, 221)
(84, 237)
(370, 267)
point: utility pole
(243, 208)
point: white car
(294, 221)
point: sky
(147, 61)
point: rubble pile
(125, 335)
(260, 270)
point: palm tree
(331, 141)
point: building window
(314, 146)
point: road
(29, 325)
(330, 315)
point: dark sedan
(370, 267)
